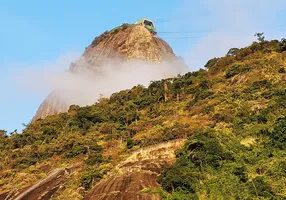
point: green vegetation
(260, 37)
(233, 114)
(216, 165)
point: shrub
(182, 176)
(95, 158)
(89, 176)
(145, 101)
(258, 85)
(175, 131)
(124, 26)
(242, 53)
(241, 173)
(207, 151)
(232, 52)
(92, 174)
(50, 131)
(96, 148)
(115, 31)
(278, 135)
(236, 69)
(77, 149)
(280, 98)
(130, 143)
(211, 63)
(24, 162)
(282, 45)
(262, 116)
(259, 187)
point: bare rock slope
(52, 105)
(128, 42)
(43, 190)
(137, 172)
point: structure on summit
(148, 24)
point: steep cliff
(122, 44)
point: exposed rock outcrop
(52, 105)
(137, 172)
(129, 42)
(43, 190)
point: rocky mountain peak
(123, 44)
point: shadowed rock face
(131, 43)
(140, 170)
(52, 105)
(127, 186)
(43, 190)
(137, 172)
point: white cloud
(85, 86)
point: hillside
(122, 44)
(228, 122)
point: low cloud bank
(86, 86)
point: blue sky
(36, 32)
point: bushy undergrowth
(217, 166)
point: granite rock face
(53, 104)
(138, 172)
(122, 44)
(127, 180)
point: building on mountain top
(148, 24)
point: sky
(35, 35)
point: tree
(260, 37)
(232, 52)
(278, 136)
(156, 88)
(177, 87)
(130, 143)
(282, 45)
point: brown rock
(43, 190)
(133, 42)
(52, 105)
(137, 172)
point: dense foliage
(233, 114)
(218, 166)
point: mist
(85, 86)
